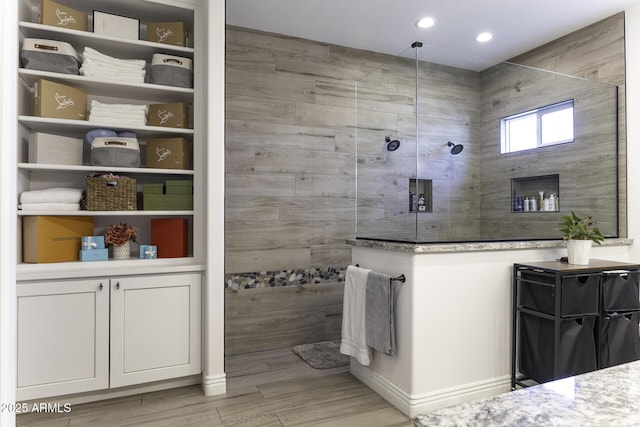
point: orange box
(171, 237)
(54, 238)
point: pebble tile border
(278, 278)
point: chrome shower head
(456, 148)
(392, 145)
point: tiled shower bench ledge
(418, 248)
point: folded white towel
(112, 73)
(48, 207)
(89, 53)
(120, 114)
(52, 195)
(354, 338)
(118, 108)
(109, 113)
(117, 120)
(90, 64)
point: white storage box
(121, 152)
(109, 24)
(49, 55)
(55, 149)
(171, 70)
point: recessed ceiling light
(484, 37)
(426, 22)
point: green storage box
(167, 202)
(152, 189)
(179, 187)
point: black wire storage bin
(576, 352)
(618, 340)
(578, 293)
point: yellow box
(58, 15)
(175, 115)
(168, 153)
(54, 238)
(60, 101)
(174, 33)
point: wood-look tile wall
(291, 161)
(290, 182)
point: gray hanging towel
(379, 312)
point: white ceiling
(388, 26)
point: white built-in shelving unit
(180, 295)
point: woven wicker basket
(111, 193)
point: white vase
(121, 252)
(579, 251)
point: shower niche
(535, 194)
(420, 195)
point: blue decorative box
(94, 254)
(148, 251)
(92, 242)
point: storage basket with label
(171, 70)
(49, 55)
(115, 151)
(111, 193)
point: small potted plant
(579, 234)
(118, 238)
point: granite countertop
(420, 248)
(607, 397)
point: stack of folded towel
(96, 64)
(118, 114)
(51, 199)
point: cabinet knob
(100, 287)
(117, 285)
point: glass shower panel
(386, 150)
(430, 161)
(447, 122)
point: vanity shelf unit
(103, 293)
(570, 319)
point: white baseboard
(413, 405)
(214, 384)
(94, 396)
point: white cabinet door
(155, 328)
(63, 337)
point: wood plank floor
(266, 389)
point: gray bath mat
(322, 355)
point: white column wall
(8, 201)
(213, 378)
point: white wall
(632, 37)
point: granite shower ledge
(436, 248)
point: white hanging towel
(354, 337)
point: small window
(543, 126)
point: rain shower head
(392, 145)
(456, 148)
